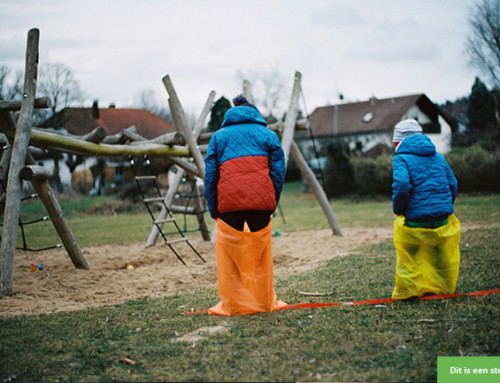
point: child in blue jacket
(244, 168)
(424, 186)
(426, 233)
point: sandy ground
(62, 287)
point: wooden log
(279, 126)
(53, 141)
(205, 137)
(31, 172)
(131, 135)
(18, 158)
(118, 138)
(315, 186)
(291, 116)
(96, 136)
(176, 109)
(203, 115)
(185, 165)
(173, 138)
(60, 223)
(13, 105)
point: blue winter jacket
(424, 186)
(244, 164)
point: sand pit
(62, 287)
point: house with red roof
(81, 121)
(369, 124)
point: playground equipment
(181, 148)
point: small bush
(373, 176)
(476, 169)
(338, 171)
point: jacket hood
(243, 115)
(418, 144)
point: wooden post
(291, 116)
(18, 158)
(315, 186)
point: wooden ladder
(168, 218)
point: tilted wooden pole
(176, 108)
(172, 188)
(315, 186)
(18, 158)
(38, 176)
(289, 146)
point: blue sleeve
(277, 167)
(401, 186)
(452, 181)
(212, 177)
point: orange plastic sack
(427, 260)
(244, 271)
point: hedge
(476, 169)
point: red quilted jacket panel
(245, 184)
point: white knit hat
(406, 128)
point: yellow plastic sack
(427, 260)
(244, 271)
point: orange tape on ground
(371, 301)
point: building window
(368, 117)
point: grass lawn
(395, 342)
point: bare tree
(11, 88)
(483, 45)
(59, 84)
(267, 89)
(148, 99)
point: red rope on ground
(370, 301)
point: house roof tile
(379, 115)
(80, 121)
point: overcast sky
(360, 48)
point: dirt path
(62, 287)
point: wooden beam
(18, 159)
(53, 141)
(13, 105)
